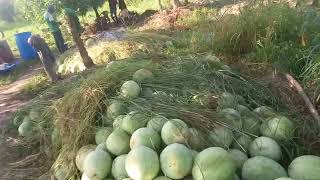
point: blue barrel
(26, 51)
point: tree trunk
(87, 61)
(315, 3)
(160, 5)
(176, 3)
(96, 12)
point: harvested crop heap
(190, 119)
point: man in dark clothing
(45, 55)
(55, 29)
(122, 5)
(113, 10)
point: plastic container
(26, 51)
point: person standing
(113, 10)
(55, 29)
(45, 55)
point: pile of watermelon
(245, 144)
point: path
(10, 100)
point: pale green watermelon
(130, 90)
(221, 136)
(82, 154)
(231, 117)
(145, 137)
(227, 100)
(197, 140)
(175, 131)
(134, 121)
(118, 167)
(243, 110)
(118, 121)
(305, 168)
(118, 142)
(102, 147)
(265, 112)
(278, 128)
(236, 177)
(142, 163)
(176, 161)
(97, 164)
(239, 158)
(267, 147)
(34, 114)
(242, 143)
(162, 178)
(262, 168)
(194, 153)
(102, 134)
(251, 125)
(157, 123)
(143, 76)
(115, 109)
(213, 163)
(26, 129)
(284, 178)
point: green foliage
(7, 10)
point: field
(232, 72)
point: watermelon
(267, 147)
(197, 140)
(134, 121)
(284, 178)
(145, 137)
(60, 172)
(213, 163)
(34, 114)
(175, 131)
(242, 143)
(239, 158)
(251, 125)
(26, 129)
(118, 121)
(227, 100)
(176, 161)
(118, 167)
(147, 92)
(130, 90)
(142, 163)
(102, 134)
(115, 109)
(143, 76)
(221, 136)
(243, 110)
(231, 117)
(262, 168)
(157, 122)
(82, 154)
(305, 168)
(278, 128)
(97, 164)
(236, 177)
(118, 142)
(102, 147)
(265, 112)
(226, 68)
(194, 153)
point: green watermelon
(305, 168)
(251, 125)
(143, 76)
(221, 136)
(267, 147)
(97, 164)
(175, 131)
(236, 177)
(34, 114)
(262, 168)
(157, 122)
(118, 121)
(213, 163)
(134, 121)
(118, 167)
(82, 154)
(102, 134)
(142, 163)
(239, 158)
(265, 112)
(145, 137)
(231, 117)
(242, 143)
(243, 110)
(130, 90)
(176, 161)
(115, 109)
(197, 140)
(147, 92)
(118, 142)
(284, 178)
(162, 178)
(227, 100)
(26, 129)
(102, 147)
(278, 128)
